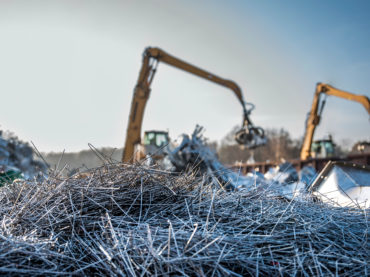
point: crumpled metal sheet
(289, 183)
(343, 184)
(307, 175)
(283, 173)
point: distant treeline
(281, 146)
(70, 163)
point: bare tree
(280, 146)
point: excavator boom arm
(171, 60)
(314, 116)
(151, 57)
(362, 99)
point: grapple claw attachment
(250, 137)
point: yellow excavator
(310, 148)
(249, 135)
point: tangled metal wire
(130, 220)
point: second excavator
(323, 148)
(249, 135)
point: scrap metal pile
(16, 158)
(131, 220)
(193, 153)
(347, 186)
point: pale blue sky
(68, 68)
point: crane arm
(362, 99)
(171, 60)
(164, 57)
(317, 107)
(151, 58)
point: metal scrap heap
(17, 159)
(131, 220)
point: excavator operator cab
(155, 142)
(324, 148)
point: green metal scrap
(7, 177)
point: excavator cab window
(316, 148)
(323, 148)
(329, 146)
(155, 138)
